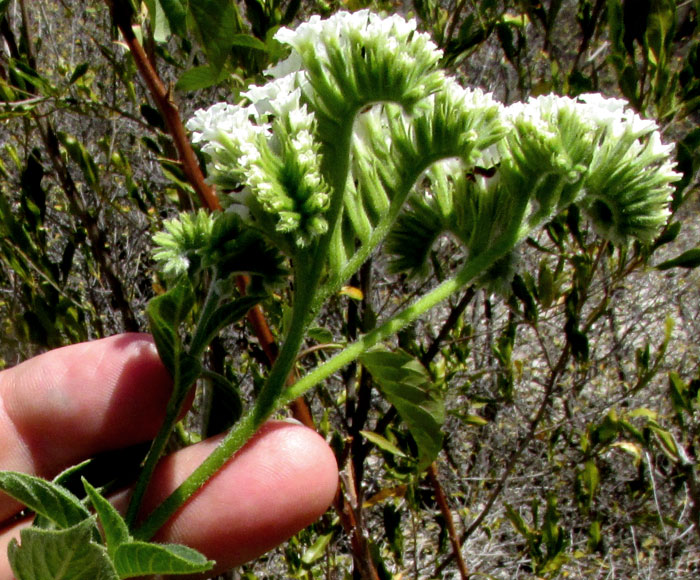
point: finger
(71, 403)
(280, 482)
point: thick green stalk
(233, 441)
(309, 269)
(397, 322)
(172, 412)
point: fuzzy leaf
(114, 527)
(222, 317)
(141, 558)
(67, 554)
(406, 385)
(165, 314)
(44, 498)
(200, 77)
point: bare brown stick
(347, 505)
(162, 95)
(449, 520)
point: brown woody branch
(162, 95)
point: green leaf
(247, 41)
(142, 558)
(317, 549)
(669, 235)
(321, 335)
(383, 443)
(165, 313)
(594, 535)
(218, 22)
(114, 527)
(408, 386)
(590, 480)
(689, 259)
(222, 317)
(226, 404)
(79, 71)
(160, 24)
(200, 77)
(44, 498)
(81, 156)
(518, 522)
(545, 285)
(176, 14)
(679, 391)
(666, 440)
(67, 554)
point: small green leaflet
(383, 443)
(67, 554)
(165, 313)
(46, 499)
(689, 259)
(223, 316)
(141, 559)
(114, 527)
(134, 558)
(317, 550)
(408, 386)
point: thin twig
(449, 520)
(162, 95)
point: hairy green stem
(308, 271)
(233, 441)
(173, 410)
(471, 270)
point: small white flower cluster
(178, 246)
(230, 140)
(611, 117)
(269, 146)
(624, 169)
(362, 26)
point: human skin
(71, 403)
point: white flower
(344, 26)
(615, 115)
(280, 96)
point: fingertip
(280, 482)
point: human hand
(72, 403)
